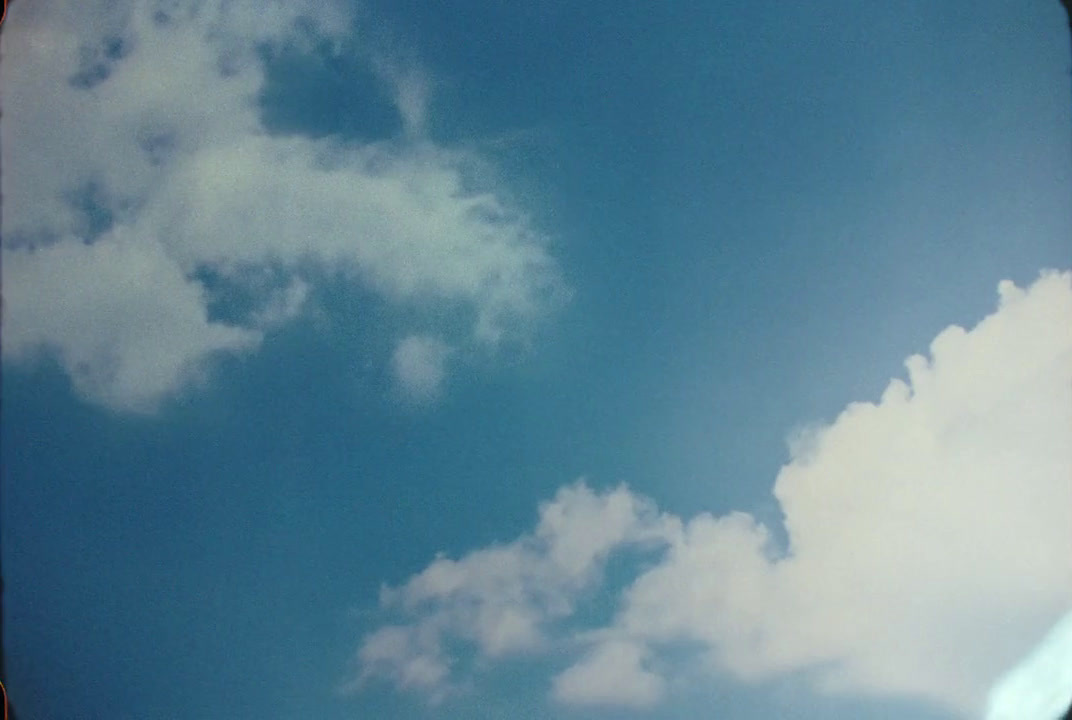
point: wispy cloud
(927, 543)
(151, 110)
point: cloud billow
(504, 599)
(150, 111)
(927, 545)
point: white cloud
(613, 673)
(282, 304)
(411, 89)
(161, 125)
(500, 599)
(928, 533)
(419, 365)
(409, 656)
(398, 218)
(927, 537)
(127, 365)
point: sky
(490, 360)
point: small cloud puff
(419, 365)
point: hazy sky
(497, 360)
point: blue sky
(469, 359)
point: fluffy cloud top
(927, 541)
(137, 126)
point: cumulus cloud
(927, 537)
(141, 120)
(409, 656)
(613, 673)
(128, 364)
(500, 600)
